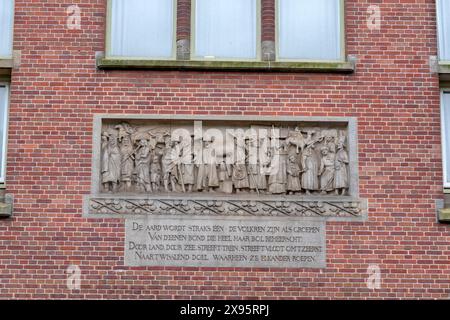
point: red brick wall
(57, 90)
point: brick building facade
(389, 79)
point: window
(443, 20)
(266, 35)
(4, 95)
(310, 30)
(226, 29)
(6, 27)
(445, 118)
(142, 29)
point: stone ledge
(6, 207)
(444, 71)
(6, 66)
(6, 63)
(444, 215)
(123, 206)
(258, 66)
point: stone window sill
(444, 70)
(6, 206)
(5, 66)
(444, 215)
(6, 63)
(258, 66)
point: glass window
(6, 27)
(446, 136)
(443, 19)
(309, 30)
(142, 29)
(226, 29)
(3, 128)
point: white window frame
(342, 36)
(5, 134)
(445, 161)
(258, 36)
(439, 33)
(109, 34)
(12, 32)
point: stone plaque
(225, 166)
(216, 242)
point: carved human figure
(310, 179)
(188, 171)
(143, 166)
(240, 177)
(186, 165)
(240, 174)
(111, 163)
(105, 159)
(341, 170)
(256, 177)
(155, 173)
(207, 177)
(225, 174)
(127, 165)
(239, 141)
(170, 161)
(330, 143)
(293, 175)
(278, 171)
(326, 170)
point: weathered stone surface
(6, 206)
(220, 206)
(225, 243)
(229, 166)
(444, 215)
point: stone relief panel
(225, 167)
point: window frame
(444, 139)
(438, 35)
(258, 37)
(12, 34)
(342, 37)
(5, 135)
(108, 35)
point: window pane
(309, 30)
(444, 29)
(226, 29)
(3, 110)
(142, 28)
(446, 132)
(6, 22)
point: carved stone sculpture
(257, 177)
(293, 176)
(170, 165)
(278, 171)
(225, 177)
(155, 173)
(326, 171)
(341, 182)
(209, 178)
(126, 151)
(237, 168)
(310, 179)
(143, 166)
(111, 163)
(276, 160)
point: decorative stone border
(223, 206)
